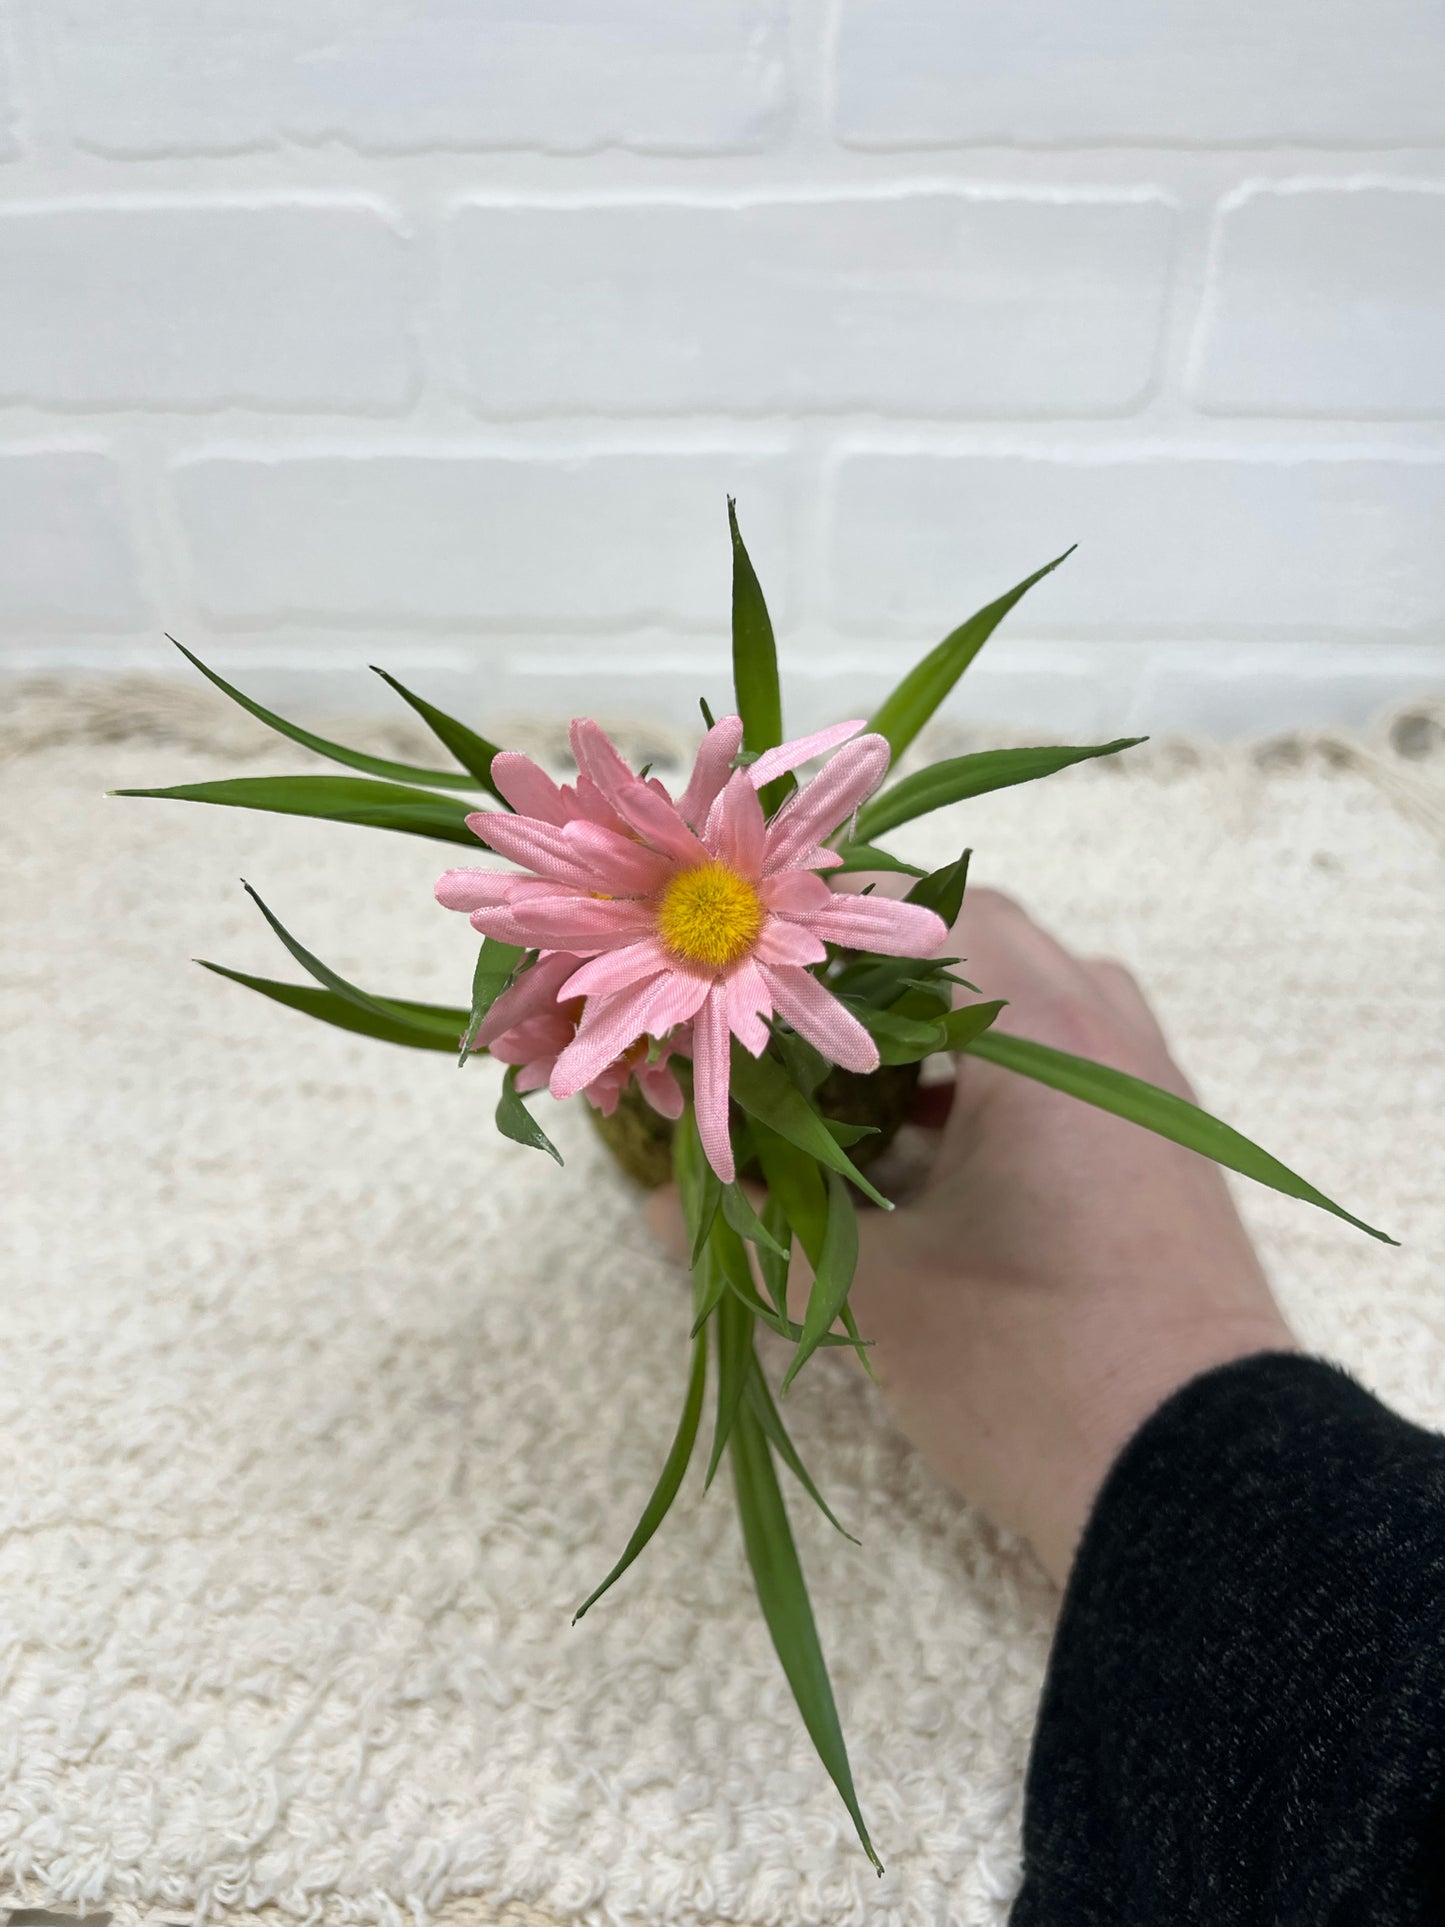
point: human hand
(1062, 1271)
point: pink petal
(816, 1014)
(880, 923)
(661, 1089)
(712, 1078)
(534, 991)
(528, 787)
(609, 1025)
(541, 847)
(812, 814)
(501, 924)
(782, 942)
(473, 889)
(583, 925)
(794, 892)
(585, 800)
(736, 827)
(656, 819)
(630, 869)
(747, 1002)
(787, 756)
(616, 969)
(533, 1076)
(711, 770)
(599, 757)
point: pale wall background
(433, 332)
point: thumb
(665, 1222)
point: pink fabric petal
(794, 893)
(811, 814)
(534, 991)
(747, 1003)
(736, 827)
(609, 1025)
(586, 801)
(599, 758)
(816, 1014)
(782, 942)
(880, 923)
(473, 889)
(678, 996)
(542, 847)
(711, 770)
(616, 969)
(501, 924)
(533, 1076)
(657, 820)
(583, 925)
(712, 1078)
(802, 749)
(527, 787)
(629, 869)
(661, 1089)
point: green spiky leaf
(515, 1121)
(733, 1332)
(402, 1027)
(666, 1490)
(492, 973)
(472, 751)
(833, 1278)
(964, 776)
(755, 664)
(942, 891)
(783, 1595)
(865, 856)
(768, 1416)
(763, 1089)
(339, 799)
(902, 714)
(1159, 1111)
(962, 1026)
(336, 752)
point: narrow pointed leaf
(515, 1121)
(900, 1039)
(699, 1188)
(755, 664)
(963, 1026)
(333, 1009)
(964, 776)
(764, 1091)
(666, 1490)
(848, 1134)
(865, 856)
(733, 1330)
(472, 751)
(493, 971)
(455, 779)
(768, 1416)
(833, 1279)
(913, 702)
(775, 1267)
(783, 1595)
(799, 1187)
(323, 973)
(942, 892)
(710, 1287)
(340, 799)
(745, 1221)
(1160, 1111)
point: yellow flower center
(709, 915)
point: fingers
(664, 1221)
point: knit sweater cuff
(1244, 1714)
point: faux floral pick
(689, 966)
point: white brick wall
(336, 331)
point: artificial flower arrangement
(688, 966)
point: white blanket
(323, 1406)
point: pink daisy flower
(529, 1028)
(700, 911)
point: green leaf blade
(866, 857)
(783, 1596)
(515, 1121)
(1158, 1111)
(495, 964)
(336, 752)
(329, 1008)
(833, 1278)
(762, 1088)
(903, 713)
(960, 777)
(733, 1330)
(755, 663)
(472, 751)
(942, 891)
(338, 799)
(670, 1480)
(768, 1416)
(963, 1026)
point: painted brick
(147, 76)
(1225, 72)
(199, 304)
(1172, 543)
(920, 303)
(1326, 300)
(581, 540)
(65, 551)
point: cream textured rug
(323, 1406)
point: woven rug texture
(323, 1406)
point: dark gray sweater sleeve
(1243, 1719)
